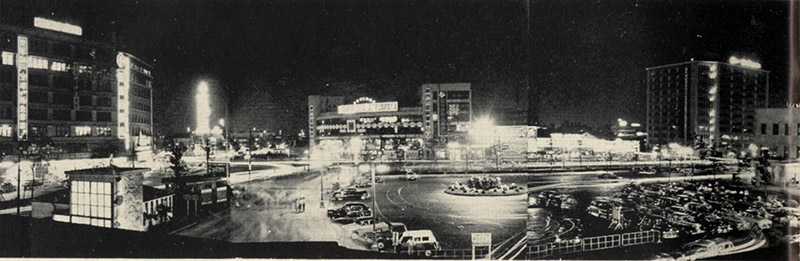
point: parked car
(7, 187)
(415, 240)
(32, 183)
(350, 193)
(381, 239)
(349, 213)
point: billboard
(22, 85)
(367, 107)
(219, 169)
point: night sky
(586, 58)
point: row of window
(776, 129)
(91, 199)
(69, 131)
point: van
(418, 240)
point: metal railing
(454, 254)
(593, 244)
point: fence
(593, 244)
(454, 254)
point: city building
(705, 100)
(105, 197)
(778, 132)
(59, 86)
(134, 79)
(366, 129)
(628, 131)
(447, 112)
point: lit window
(8, 58)
(6, 130)
(58, 66)
(38, 63)
(83, 131)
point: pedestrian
(297, 205)
(303, 204)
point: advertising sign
(219, 169)
(367, 107)
(481, 239)
(311, 124)
(123, 81)
(22, 88)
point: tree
(177, 165)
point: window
(104, 101)
(62, 115)
(8, 58)
(91, 199)
(38, 79)
(38, 63)
(86, 100)
(103, 131)
(38, 114)
(786, 129)
(104, 116)
(83, 115)
(775, 129)
(764, 128)
(62, 131)
(83, 131)
(58, 66)
(6, 131)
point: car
(381, 238)
(350, 193)
(349, 213)
(7, 187)
(32, 183)
(607, 175)
(417, 240)
(410, 175)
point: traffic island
(484, 186)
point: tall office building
(60, 87)
(705, 100)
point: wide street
(264, 213)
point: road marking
(392, 201)
(400, 190)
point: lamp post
(321, 187)
(374, 214)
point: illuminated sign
(744, 62)
(311, 125)
(57, 26)
(123, 80)
(364, 100)
(367, 107)
(22, 85)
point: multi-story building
(705, 100)
(59, 86)
(447, 112)
(366, 129)
(778, 132)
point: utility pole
(19, 179)
(249, 154)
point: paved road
(422, 204)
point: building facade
(778, 132)
(59, 86)
(364, 129)
(106, 197)
(447, 112)
(705, 100)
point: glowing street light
(203, 108)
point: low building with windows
(109, 197)
(778, 134)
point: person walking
(302, 204)
(297, 205)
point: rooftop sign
(57, 26)
(367, 107)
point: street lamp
(372, 169)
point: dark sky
(587, 58)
